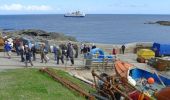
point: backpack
(45, 50)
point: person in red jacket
(114, 51)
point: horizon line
(89, 14)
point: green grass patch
(80, 83)
(30, 84)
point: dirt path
(14, 63)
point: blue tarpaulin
(97, 50)
(161, 49)
(98, 55)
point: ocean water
(99, 28)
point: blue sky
(87, 6)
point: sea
(95, 28)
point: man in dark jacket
(85, 51)
(123, 49)
(28, 55)
(33, 49)
(16, 45)
(21, 50)
(55, 52)
(59, 55)
(93, 46)
(70, 53)
(75, 46)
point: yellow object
(97, 54)
(146, 54)
(147, 94)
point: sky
(86, 6)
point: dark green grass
(30, 84)
(81, 84)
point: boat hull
(140, 73)
(72, 16)
(139, 79)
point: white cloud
(20, 7)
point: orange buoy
(151, 80)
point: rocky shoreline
(164, 23)
(37, 35)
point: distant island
(164, 23)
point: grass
(30, 84)
(81, 84)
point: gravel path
(14, 63)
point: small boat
(143, 78)
(75, 14)
(147, 82)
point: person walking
(123, 49)
(16, 46)
(33, 50)
(85, 51)
(7, 49)
(55, 52)
(28, 56)
(113, 51)
(21, 50)
(70, 53)
(42, 53)
(60, 55)
(64, 49)
(75, 46)
(88, 48)
(81, 48)
(93, 46)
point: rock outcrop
(164, 23)
(39, 34)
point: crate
(99, 64)
(163, 64)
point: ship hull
(74, 16)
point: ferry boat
(75, 14)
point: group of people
(28, 53)
(23, 50)
(69, 51)
(122, 50)
(85, 49)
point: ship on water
(75, 14)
